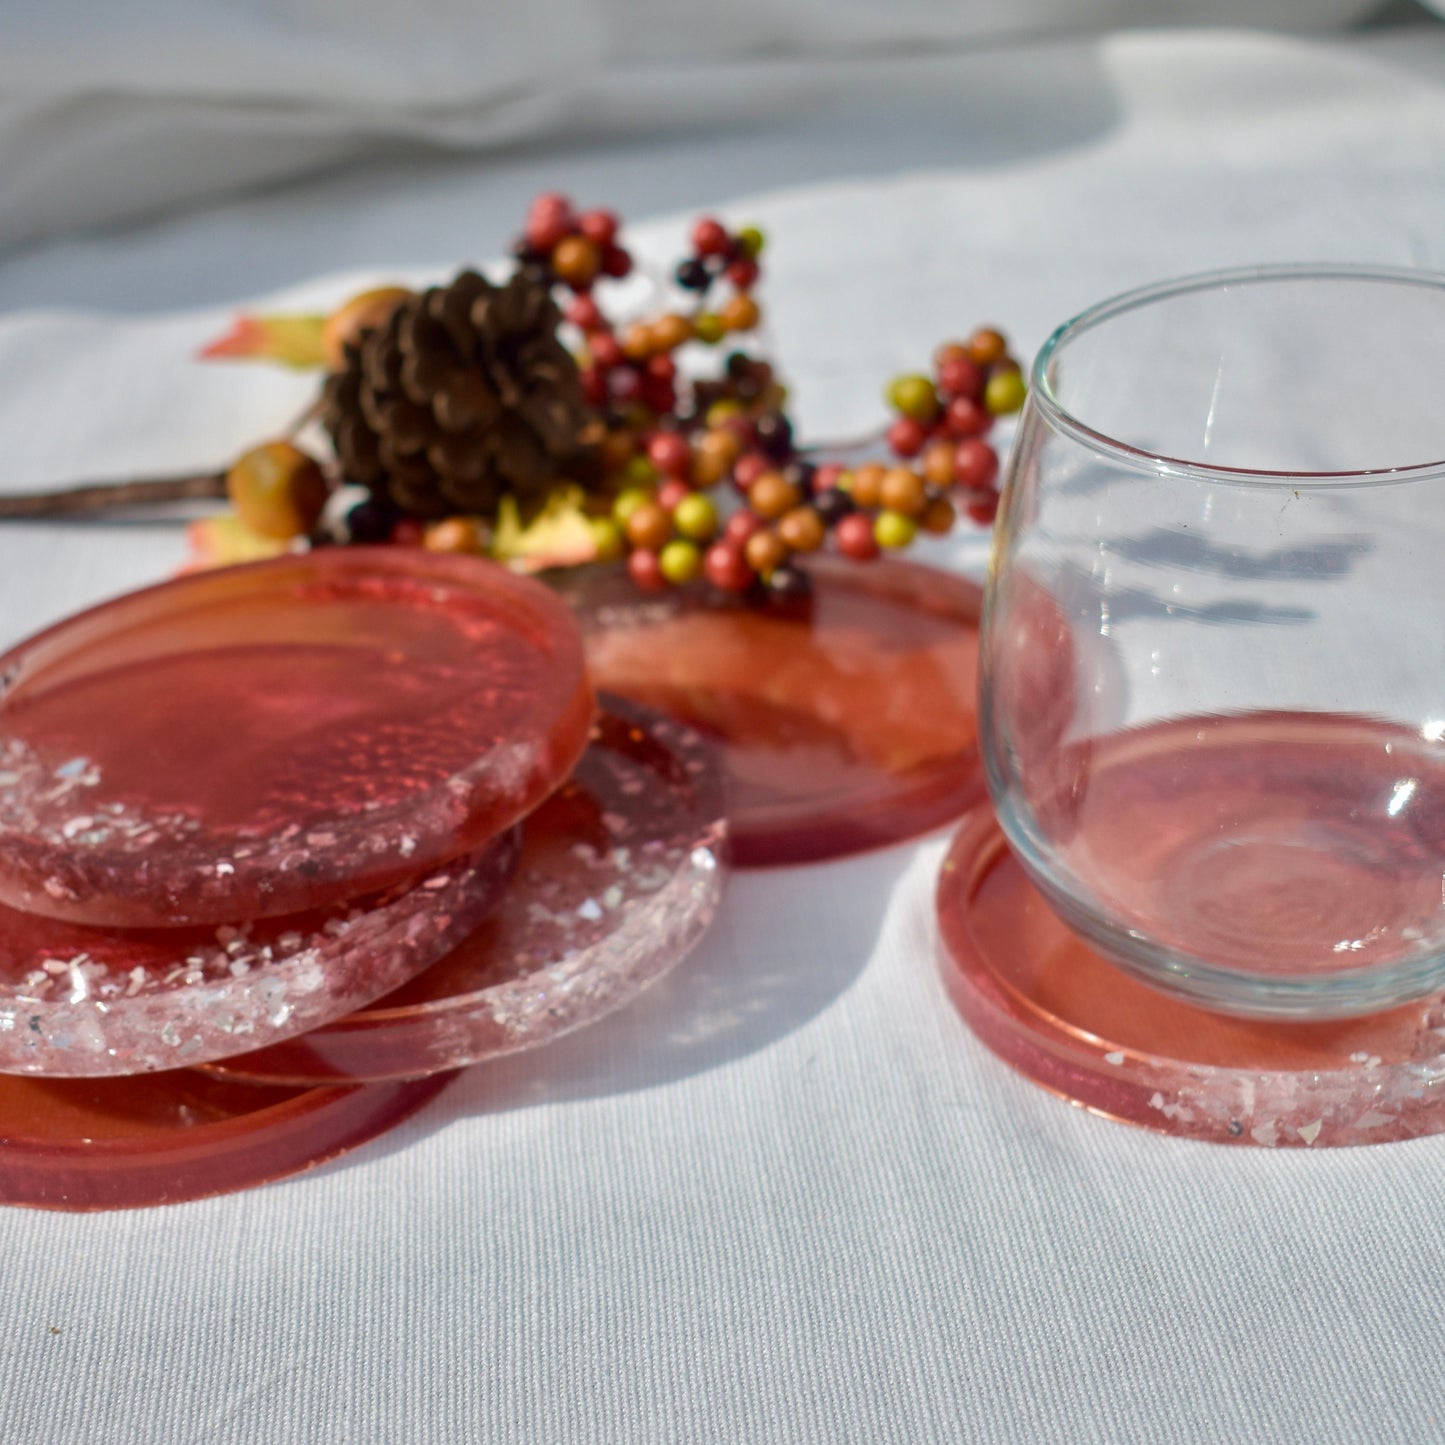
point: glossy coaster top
(86, 1001)
(91, 1144)
(846, 726)
(1045, 1002)
(621, 872)
(265, 739)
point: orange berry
(765, 551)
(867, 485)
(649, 526)
(740, 313)
(903, 491)
(938, 516)
(938, 462)
(670, 331)
(577, 260)
(802, 529)
(987, 346)
(637, 342)
(772, 494)
(617, 448)
(277, 489)
(455, 534)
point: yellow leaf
(560, 536)
(289, 340)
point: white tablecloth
(786, 1196)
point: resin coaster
(845, 726)
(88, 1001)
(621, 872)
(260, 740)
(88, 1144)
(1043, 1001)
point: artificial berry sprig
(464, 425)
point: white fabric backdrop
(786, 1196)
(111, 109)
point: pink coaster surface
(845, 725)
(90, 1001)
(261, 740)
(1045, 1002)
(621, 872)
(93, 1144)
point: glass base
(1046, 1003)
(844, 725)
(621, 872)
(92, 1144)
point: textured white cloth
(786, 1196)
(113, 109)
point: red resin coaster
(842, 727)
(621, 872)
(88, 1001)
(1049, 1005)
(261, 740)
(90, 1144)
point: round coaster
(90, 1144)
(88, 1001)
(260, 740)
(621, 872)
(1049, 1005)
(843, 726)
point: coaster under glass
(621, 872)
(93, 1144)
(1049, 1005)
(259, 740)
(844, 725)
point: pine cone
(464, 396)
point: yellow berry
(709, 328)
(1004, 392)
(680, 562)
(277, 489)
(894, 530)
(695, 517)
(628, 501)
(913, 395)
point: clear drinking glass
(1213, 657)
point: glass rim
(1140, 459)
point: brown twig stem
(110, 496)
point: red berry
(854, 535)
(599, 226)
(958, 376)
(594, 386)
(906, 437)
(749, 468)
(546, 232)
(549, 203)
(662, 368)
(710, 238)
(671, 492)
(826, 477)
(646, 570)
(740, 526)
(743, 274)
(964, 418)
(726, 567)
(669, 452)
(407, 532)
(984, 510)
(616, 262)
(625, 383)
(658, 396)
(585, 314)
(975, 465)
(606, 350)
